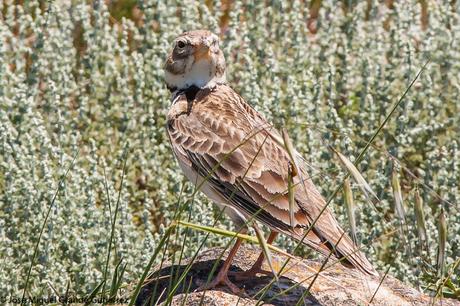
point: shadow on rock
(158, 286)
(335, 285)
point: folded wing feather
(222, 137)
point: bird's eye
(180, 44)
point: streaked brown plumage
(215, 133)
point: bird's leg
(257, 266)
(222, 276)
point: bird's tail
(340, 245)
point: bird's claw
(221, 280)
(248, 274)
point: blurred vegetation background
(84, 79)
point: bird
(241, 162)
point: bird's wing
(225, 140)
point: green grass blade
(114, 219)
(92, 295)
(290, 150)
(321, 268)
(389, 115)
(398, 198)
(67, 290)
(378, 287)
(350, 207)
(226, 233)
(357, 176)
(263, 243)
(42, 229)
(420, 219)
(187, 291)
(116, 279)
(291, 194)
(357, 161)
(149, 265)
(442, 238)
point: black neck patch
(190, 92)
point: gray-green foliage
(73, 78)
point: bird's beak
(204, 51)
(208, 42)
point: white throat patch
(200, 74)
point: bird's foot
(221, 279)
(248, 274)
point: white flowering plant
(88, 182)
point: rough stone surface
(336, 285)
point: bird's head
(195, 60)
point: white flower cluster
(76, 81)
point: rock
(337, 285)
